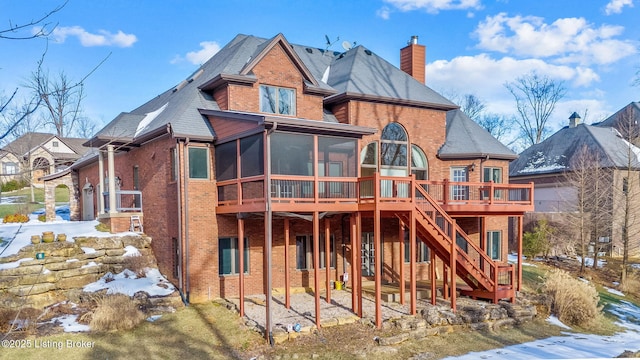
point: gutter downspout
(179, 149)
(185, 164)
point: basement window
(229, 256)
(422, 250)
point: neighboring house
(316, 166)
(34, 155)
(545, 164)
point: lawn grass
(62, 196)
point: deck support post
(453, 257)
(241, 263)
(412, 261)
(354, 273)
(445, 280)
(519, 235)
(432, 268)
(287, 277)
(378, 266)
(316, 265)
(358, 267)
(327, 256)
(401, 236)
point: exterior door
(368, 254)
(87, 204)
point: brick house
(279, 145)
(546, 165)
(34, 155)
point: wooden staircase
(486, 279)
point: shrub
(537, 241)
(42, 218)
(103, 227)
(115, 312)
(13, 185)
(573, 301)
(16, 218)
(137, 264)
(632, 284)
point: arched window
(419, 164)
(390, 156)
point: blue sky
(473, 46)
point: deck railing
(310, 189)
(126, 201)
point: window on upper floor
(277, 100)
(54, 144)
(492, 174)
(198, 163)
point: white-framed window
(492, 174)
(494, 240)
(229, 256)
(304, 252)
(422, 250)
(9, 168)
(198, 162)
(277, 100)
(174, 164)
(459, 174)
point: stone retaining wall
(65, 269)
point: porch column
(354, 261)
(401, 232)
(412, 261)
(483, 238)
(445, 280)
(268, 286)
(101, 185)
(316, 265)
(241, 262)
(327, 257)
(112, 180)
(378, 266)
(519, 235)
(287, 279)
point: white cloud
(567, 40)
(199, 57)
(434, 6)
(615, 6)
(102, 38)
(384, 12)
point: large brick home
(610, 147)
(325, 163)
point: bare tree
(85, 128)
(16, 31)
(629, 188)
(472, 106)
(536, 97)
(499, 126)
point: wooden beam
(354, 262)
(432, 268)
(412, 261)
(377, 248)
(316, 265)
(287, 277)
(241, 263)
(327, 257)
(519, 235)
(401, 235)
(358, 268)
(453, 258)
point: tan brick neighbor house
(324, 163)
(34, 155)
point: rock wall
(65, 269)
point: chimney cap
(574, 119)
(414, 40)
(575, 116)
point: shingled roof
(467, 139)
(554, 155)
(357, 72)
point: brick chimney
(412, 59)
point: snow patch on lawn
(128, 283)
(614, 291)
(555, 321)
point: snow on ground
(614, 291)
(128, 283)
(588, 262)
(555, 321)
(575, 346)
(18, 236)
(513, 259)
(70, 323)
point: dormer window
(277, 100)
